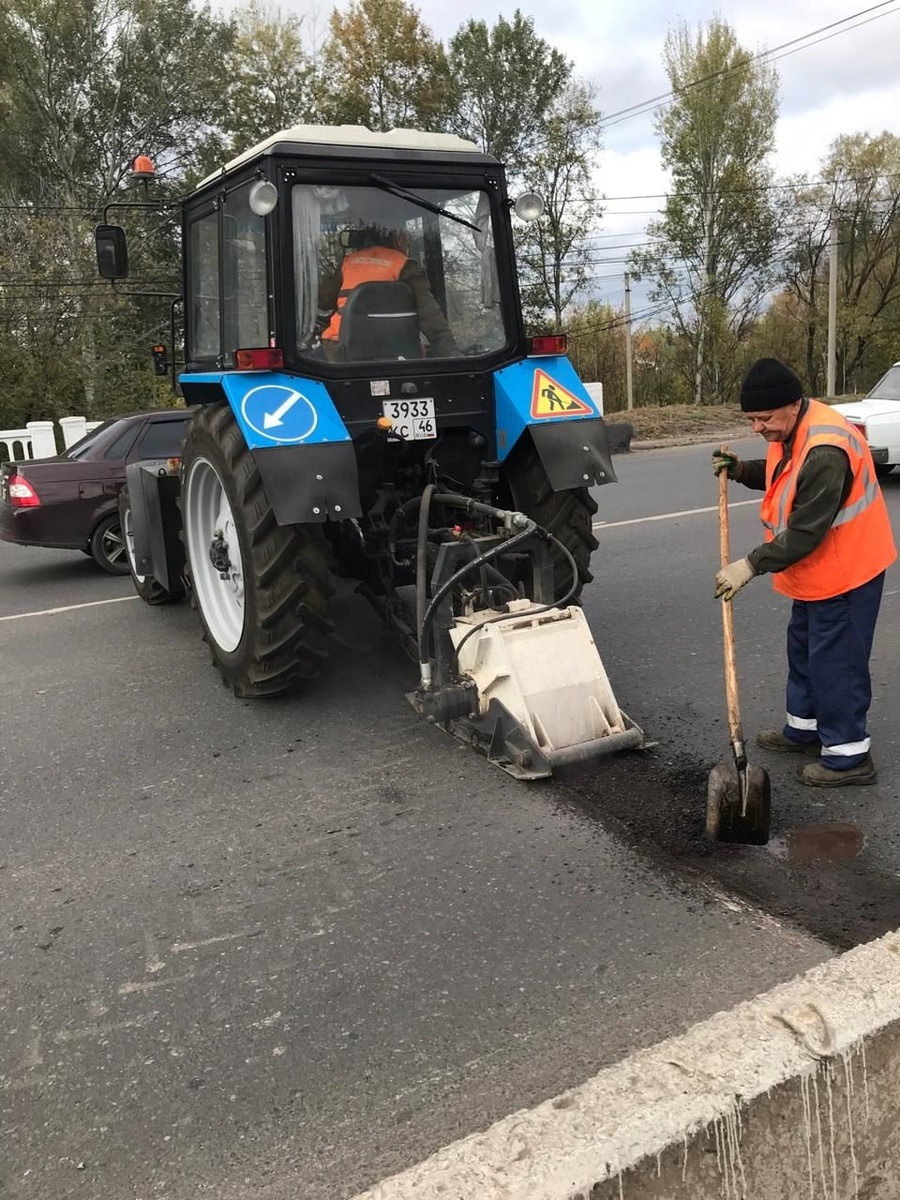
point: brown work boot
(774, 739)
(818, 775)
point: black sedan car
(71, 502)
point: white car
(878, 418)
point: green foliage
(384, 69)
(88, 84)
(554, 255)
(862, 194)
(506, 79)
(273, 80)
(714, 246)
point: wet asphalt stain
(816, 877)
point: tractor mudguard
(155, 521)
(546, 397)
(298, 440)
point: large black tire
(567, 515)
(882, 470)
(107, 547)
(148, 587)
(285, 624)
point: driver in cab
(379, 255)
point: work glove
(726, 460)
(731, 578)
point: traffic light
(160, 360)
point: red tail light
(21, 493)
(549, 343)
(861, 428)
(266, 358)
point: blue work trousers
(829, 689)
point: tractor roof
(337, 138)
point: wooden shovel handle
(731, 685)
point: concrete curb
(793, 1093)
(692, 439)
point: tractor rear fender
(545, 397)
(299, 443)
(155, 522)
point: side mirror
(112, 251)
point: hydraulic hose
(476, 563)
(422, 559)
(535, 611)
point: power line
(636, 110)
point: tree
(90, 83)
(554, 254)
(505, 81)
(861, 191)
(713, 251)
(384, 69)
(273, 79)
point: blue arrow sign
(279, 413)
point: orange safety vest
(372, 265)
(860, 543)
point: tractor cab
(340, 249)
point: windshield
(379, 276)
(888, 387)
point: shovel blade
(731, 817)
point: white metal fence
(38, 438)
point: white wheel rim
(128, 535)
(207, 518)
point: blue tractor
(365, 402)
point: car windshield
(431, 282)
(888, 387)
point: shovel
(738, 800)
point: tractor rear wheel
(568, 515)
(262, 589)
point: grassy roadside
(692, 420)
(681, 420)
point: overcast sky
(848, 83)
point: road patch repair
(794, 1093)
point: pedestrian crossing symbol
(551, 399)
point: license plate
(413, 420)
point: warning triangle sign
(551, 399)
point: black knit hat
(769, 384)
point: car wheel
(108, 546)
(883, 469)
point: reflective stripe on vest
(871, 487)
(377, 264)
(859, 545)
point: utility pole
(832, 306)
(629, 382)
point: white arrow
(270, 420)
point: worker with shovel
(828, 543)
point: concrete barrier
(792, 1094)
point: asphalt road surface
(284, 949)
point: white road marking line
(685, 512)
(147, 985)
(180, 947)
(51, 612)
